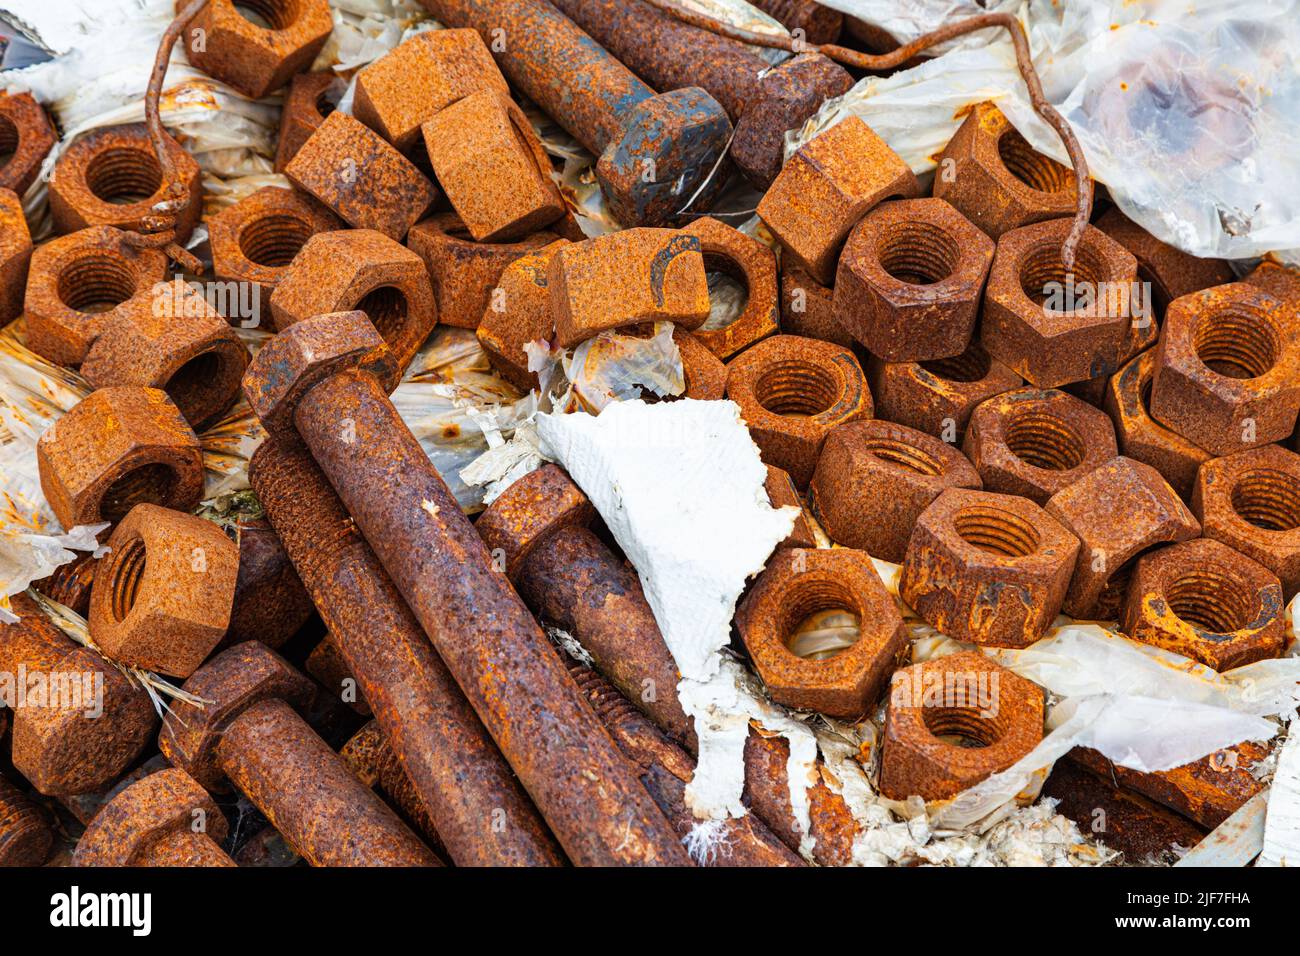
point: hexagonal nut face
(528, 511)
(631, 277)
(938, 396)
(988, 569)
(1208, 602)
(230, 683)
(311, 98)
(995, 715)
(802, 585)
(363, 270)
(910, 280)
(704, 374)
(782, 493)
(111, 177)
(15, 255)
(825, 190)
(117, 448)
(161, 804)
(1117, 511)
(873, 480)
(27, 136)
(1054, 327)
(257, 58)
(752, 264)
(256, 239)
(162, 600)
(997, 180)
(1171, 272)
(791, 392)
(519, 313)
(1251, 502)
(1277, 280)
(493, 167)
(1035, 443)
(81, 284)
(808, 308)
(1227, 371)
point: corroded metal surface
(820, 24)
(311, 97)
(331, 671)
(29, 137)
(1171, 272)
(808, 308)
(270, 601)
(704, 374)
(519, 313)
(751, 263)
(25, 834)
(256, 59)
(781, 493)
(938, 397)
(15, 256)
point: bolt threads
(918, 253)
(1268, 499)
(123, 175)
(96, 282)
(1045, 441)
(125, 576)
(1031, 167)
(1236, 342)
(1211, 601)
(997, 531)
(273, 241)
(1043, 269)
(964, 723)
(797, 388)
(904, 455)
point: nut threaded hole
(97, 282)
(124, 580)
(1269, 500)
(123, 176)
(904, 455)
(149, 484)
(1236, 344)
(918, 253)
(387, 308)
(1031, 167)
(9, 139)
(964, 726)
(269, 14)
(796, 389)
(728, 291)
(971, 366)
(273, 241)
(1210, 601)
(1111, 599)
(1045, 441)
(193, 386)
(818, 624)
(1043, 273)
(996, 531)
(327, 101)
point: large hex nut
(411, 83)
(753, 265)
(519, 313)
(363, 270)
(162, 600)
(987, 568)
(254, 240)
(26, 137)
(991, 173)
(792, 392)
(1051, 326)
(15, 256)
(1208, 602)
(1142, 335)
(627, 278)
(1141, 437)
(311, 98)
(111, 177)
(1251, 502)
(1227, 371)
(117, 448)
(826, 188)
(874, 479)
(1118, 512)
(938, 396)
(798, 584)
(1277, 280)
(704, 374)
(808, 308)
(1035, 443)
(1171, 272)
(362, 179)
(257, 59)
(995, 716)
(910, 280)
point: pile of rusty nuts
(923, 375)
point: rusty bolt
(1171, 272)
(331, 671)
(799, 584)
(257, 58)
(70, 583)
(519, 312)
(753, 265)
(808, 308)
(1251, 502)
(1118, 512)
(25, 834)
(360, 178)
(111, 177)
(792, 392)
(820, 24)
(704, 373)
(781, 493)
(370, 758)
(1034, 443)
(162, 599)
(311, 98)
(825, 190)
(995, 715)
(627, 278)
(116, 448)
(991, 173)
(1227, 369)
(271, 604)
(26, 137)
(166, 819)
(874, 479)
(910, 280)
(15, 255)
(988, 568)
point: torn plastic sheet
(1282, 820)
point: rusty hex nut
(26, 137)
(1140, 436)
(1023, 327)
(1118, 512)
(362, 179)
(1208, 602)
(996, 714)
(1278, 280)
(519, 313)
(782, 493)
(311, 98)
(988, 568)
(411, 83)
(1171, 272)
(254, 240)
(256, 59)
(704, 373)
(792, 392)
(753, 265)
(873, 480)
(117, 448)
(911, 279)
(1250, 501)
(1142, 336)
(540, 504)
(1035, 443)
(798, 584)
(363, 270)
(808, 308)
(111, 177)
(826, 188)
(997, 180)
(15, 256)
(631, 277)
(1227, 369)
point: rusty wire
(895, 58)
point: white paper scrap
(1282, 823)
